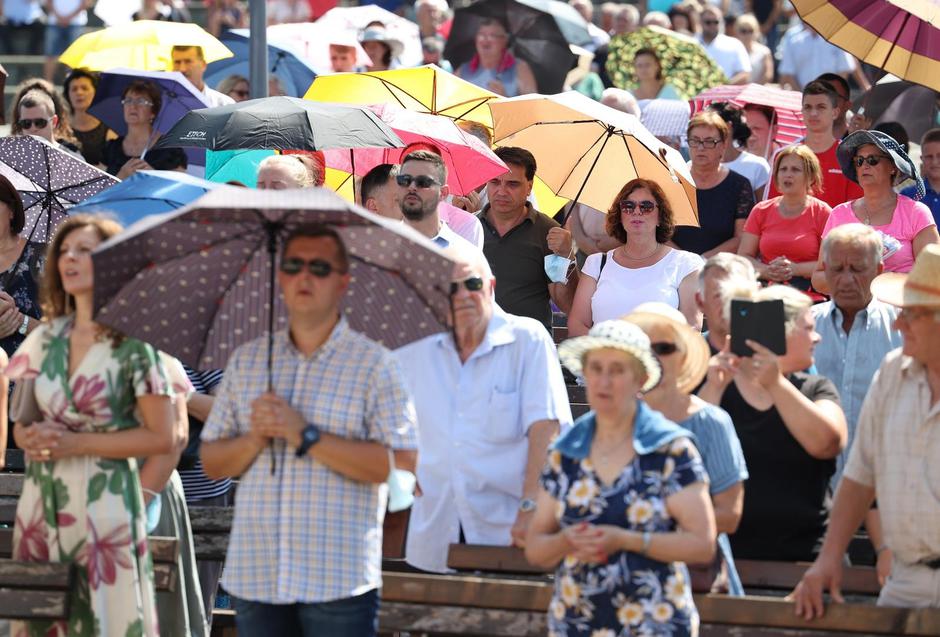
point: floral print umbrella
(686, 65)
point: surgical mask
(401, 486)
(154, 510)
(556, 267)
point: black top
(114, 157)
(21, 282)
(518, 262)
(93, 142)
(718, 208)
(785, 498)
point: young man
(422, 185)
(378, 191)
(930, 170)
(191, 62)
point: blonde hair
(301, 169)
(811, 167)
(794, 303)
(747, 20)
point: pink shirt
(910, 217)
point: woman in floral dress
(103, 401)
(624, 501)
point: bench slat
(35, 575)
(33, 604)
(446, 620)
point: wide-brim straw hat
(920, 287)
(615, 334)
(846, 150)
(691, 341)
(378, 34)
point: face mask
(401, 486)
(154, 509)
(556, 267)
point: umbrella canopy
(665, 118)
(896, 100)
(355, 19)
(469, 161)
(147, 192)
(284, 61)
(686, 65)
(587, 151)
(280, 123)
(787, 105)
(313, 40)
(57, 181)
(3, 85)
(539, 33)
(144, 45)
(898, 36)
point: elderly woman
(79, 88)
(648, 72)
(21, 264)
(782, 235)
(876, 162)
(724, 197)
(791, 428)
(281, 172)
(623, 500)
(493, 67)
(643, 269)
(126, 155)
(235, 86)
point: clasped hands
(273, 417)
(592, 543)
(779, 269)
(10, 316)
(46, 440)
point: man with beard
(422, 184)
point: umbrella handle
(271, 230)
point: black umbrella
(280, 123)
(896, 100)
(539, 33)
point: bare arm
(525, 78)
(157, 469)
(741, 77)
(925, 236)
(199, 406)
(767, 73)
(230, 457)
(748, 248)
(789, 82)
(729, 505)
(687, 304)
(156, 435)
(580, 319)
(731, 245)
(540, 435)
(545, 544)
(563, 293)
(818, 426)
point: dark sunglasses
(710, 22)
(473, 284)
(241, 93)
(39, 122)
(421, 181)
(317, 267)
(871, 160)
(663, 348)
(646, 206)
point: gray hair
(794, 303)
(632, 13)
(441, 5)
(656, 18)
(621, 100)
(730, 265)
(854, 234)
(296, 166)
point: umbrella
(426, 89)
(539, 33)
(686, 65)
(280, 123)
(147, 192)
(896, 100)
(895, 35)
(313, 40)
(787, 105)
(284, 61)
(587, 151)
(469, 161)
(665, 118)
(58, 180)
(355, 19)
(3, 85)
(144, 45)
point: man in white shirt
(422, 184)
(804, 55)
(728, 52)
(64, 22)
(191, 62)
(489, 397)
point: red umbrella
(787, 105)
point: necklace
(647, 256)
(868, 212)
(602, 457)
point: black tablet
(760, 321)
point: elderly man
(722, 276)
(489, 396)
(895, 455)
(305, 554)
(191, 62)
(728, 52)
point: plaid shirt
(308, 534)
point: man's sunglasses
(421, 181)
(646, 206)
(664, 348)
(38, 123)
(871, 160)
(317, 267)
(473, 284)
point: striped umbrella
(895, 35)
(787, 105)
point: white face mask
(556, 267)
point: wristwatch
(527, 505)
(23, 326)
(309, 437)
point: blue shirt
(931, 199)
(718, 443)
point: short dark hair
(313, 231)
(11, 197)
(518, 157)
(930, 137)
(432, 158)
(834, 78)
(897, 132)
(375, 179)
(666, 224)
(818, 87)
(740, 131)
(182, 48)
(143, 87)
(77, 74)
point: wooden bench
(29, 590)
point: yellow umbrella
(587, 151)
(145, 45)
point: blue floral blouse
(630, 594)
(21, 282)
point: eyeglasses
(745, 31)
(473, 284)
(910, 314)
(695, 142)
(710, 22)
(38, 123)
(241, 93)
(420, 181)
(646, 206)
(871, 160)
(136, 101)
(664, 348)
(317, 267)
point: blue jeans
(349, 617)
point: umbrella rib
(388, 87)
(610, 133)
(583, 155)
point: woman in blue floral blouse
(624, 501)
(21, 263)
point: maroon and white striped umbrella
(787, 105)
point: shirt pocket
(502, 417)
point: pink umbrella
(469, 161)
(787, 105)
(314, 39)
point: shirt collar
(835, 313)
(651, 430)
(285, 345)
(499, 332)
(531, 214)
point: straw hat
(691, 341)
(615, 334)
(920, 287)
(380, 34)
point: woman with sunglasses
(643, 269)
(79, 88)
(747, 30)
(236, 87)
(877, 163)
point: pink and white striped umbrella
(787, 105)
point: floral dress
(85, 509)
(630, 594)
(21, 282)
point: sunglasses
(664, 348)
(646, 206)
(39, 122)
(317, 267)
(240, 93)
(710, 22)
(745, 31)
(136, 101)
(420, 181)
(473, 284)
(871, 160)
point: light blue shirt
(718, 443)
(446, 237)
(473, 418)
(851, 360)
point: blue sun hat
(845, 153)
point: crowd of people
(692, 454)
